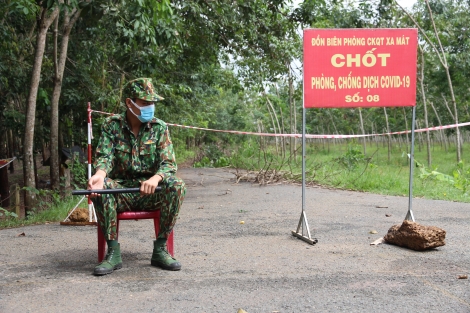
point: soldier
(135, 150)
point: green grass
(379, 175)
(54, 213)
(344, 166)
(182, 155)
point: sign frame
(406, 94)
(360, 67)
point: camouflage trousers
(168, 201)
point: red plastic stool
(155, 215)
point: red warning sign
(360, 67)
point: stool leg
(169, 243)
(156, 224)
(117, 229)
(102, 242)
(101, 245)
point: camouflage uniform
(129, 160)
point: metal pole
(409, 215)
(304, 153)
(89, 140)
(91, 211)
(109, 191)
(303, 217)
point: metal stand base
(308, 240)
(300, 235)
(409, 216)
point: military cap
(141, 88)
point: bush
(352, 158)
(78, 171)
(212, 156)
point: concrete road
(256, 265)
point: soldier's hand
(95, 182)
(148, 187)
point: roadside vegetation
(329, 163)
(227, 65)
(44, 213)
(343, 165)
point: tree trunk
(35, 169)
(291, 112)
(389, 136)
(328, 140)
(362, 130)
(283, 131)
(11, 150)
(28, 160)
(4, 188)
(443, 60)
(270, 106)
(420, 138)
(3, 138)
(423, 94)
(441, 132)
(406, 128)
(54, 163)
(456, 115)
(441, 54)
(59, 62)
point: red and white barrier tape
(322, 136)
(312, 136)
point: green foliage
(45, 198)
(78, 171)
(55, 212)
(246, 155)
(433, 174)
(352, 158)
(7, 214)
(27, 7)
(219, 64)
(392, 177)
(213, 157)
(374, 173)
(460, 177)
(204, 162)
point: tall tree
(71, 15)
(45, 18)
(441, 25)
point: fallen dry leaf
(22, 235)
(378, 242)
(373, 232)
(388, 215)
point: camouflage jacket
(131, 159)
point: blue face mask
(146, 112)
